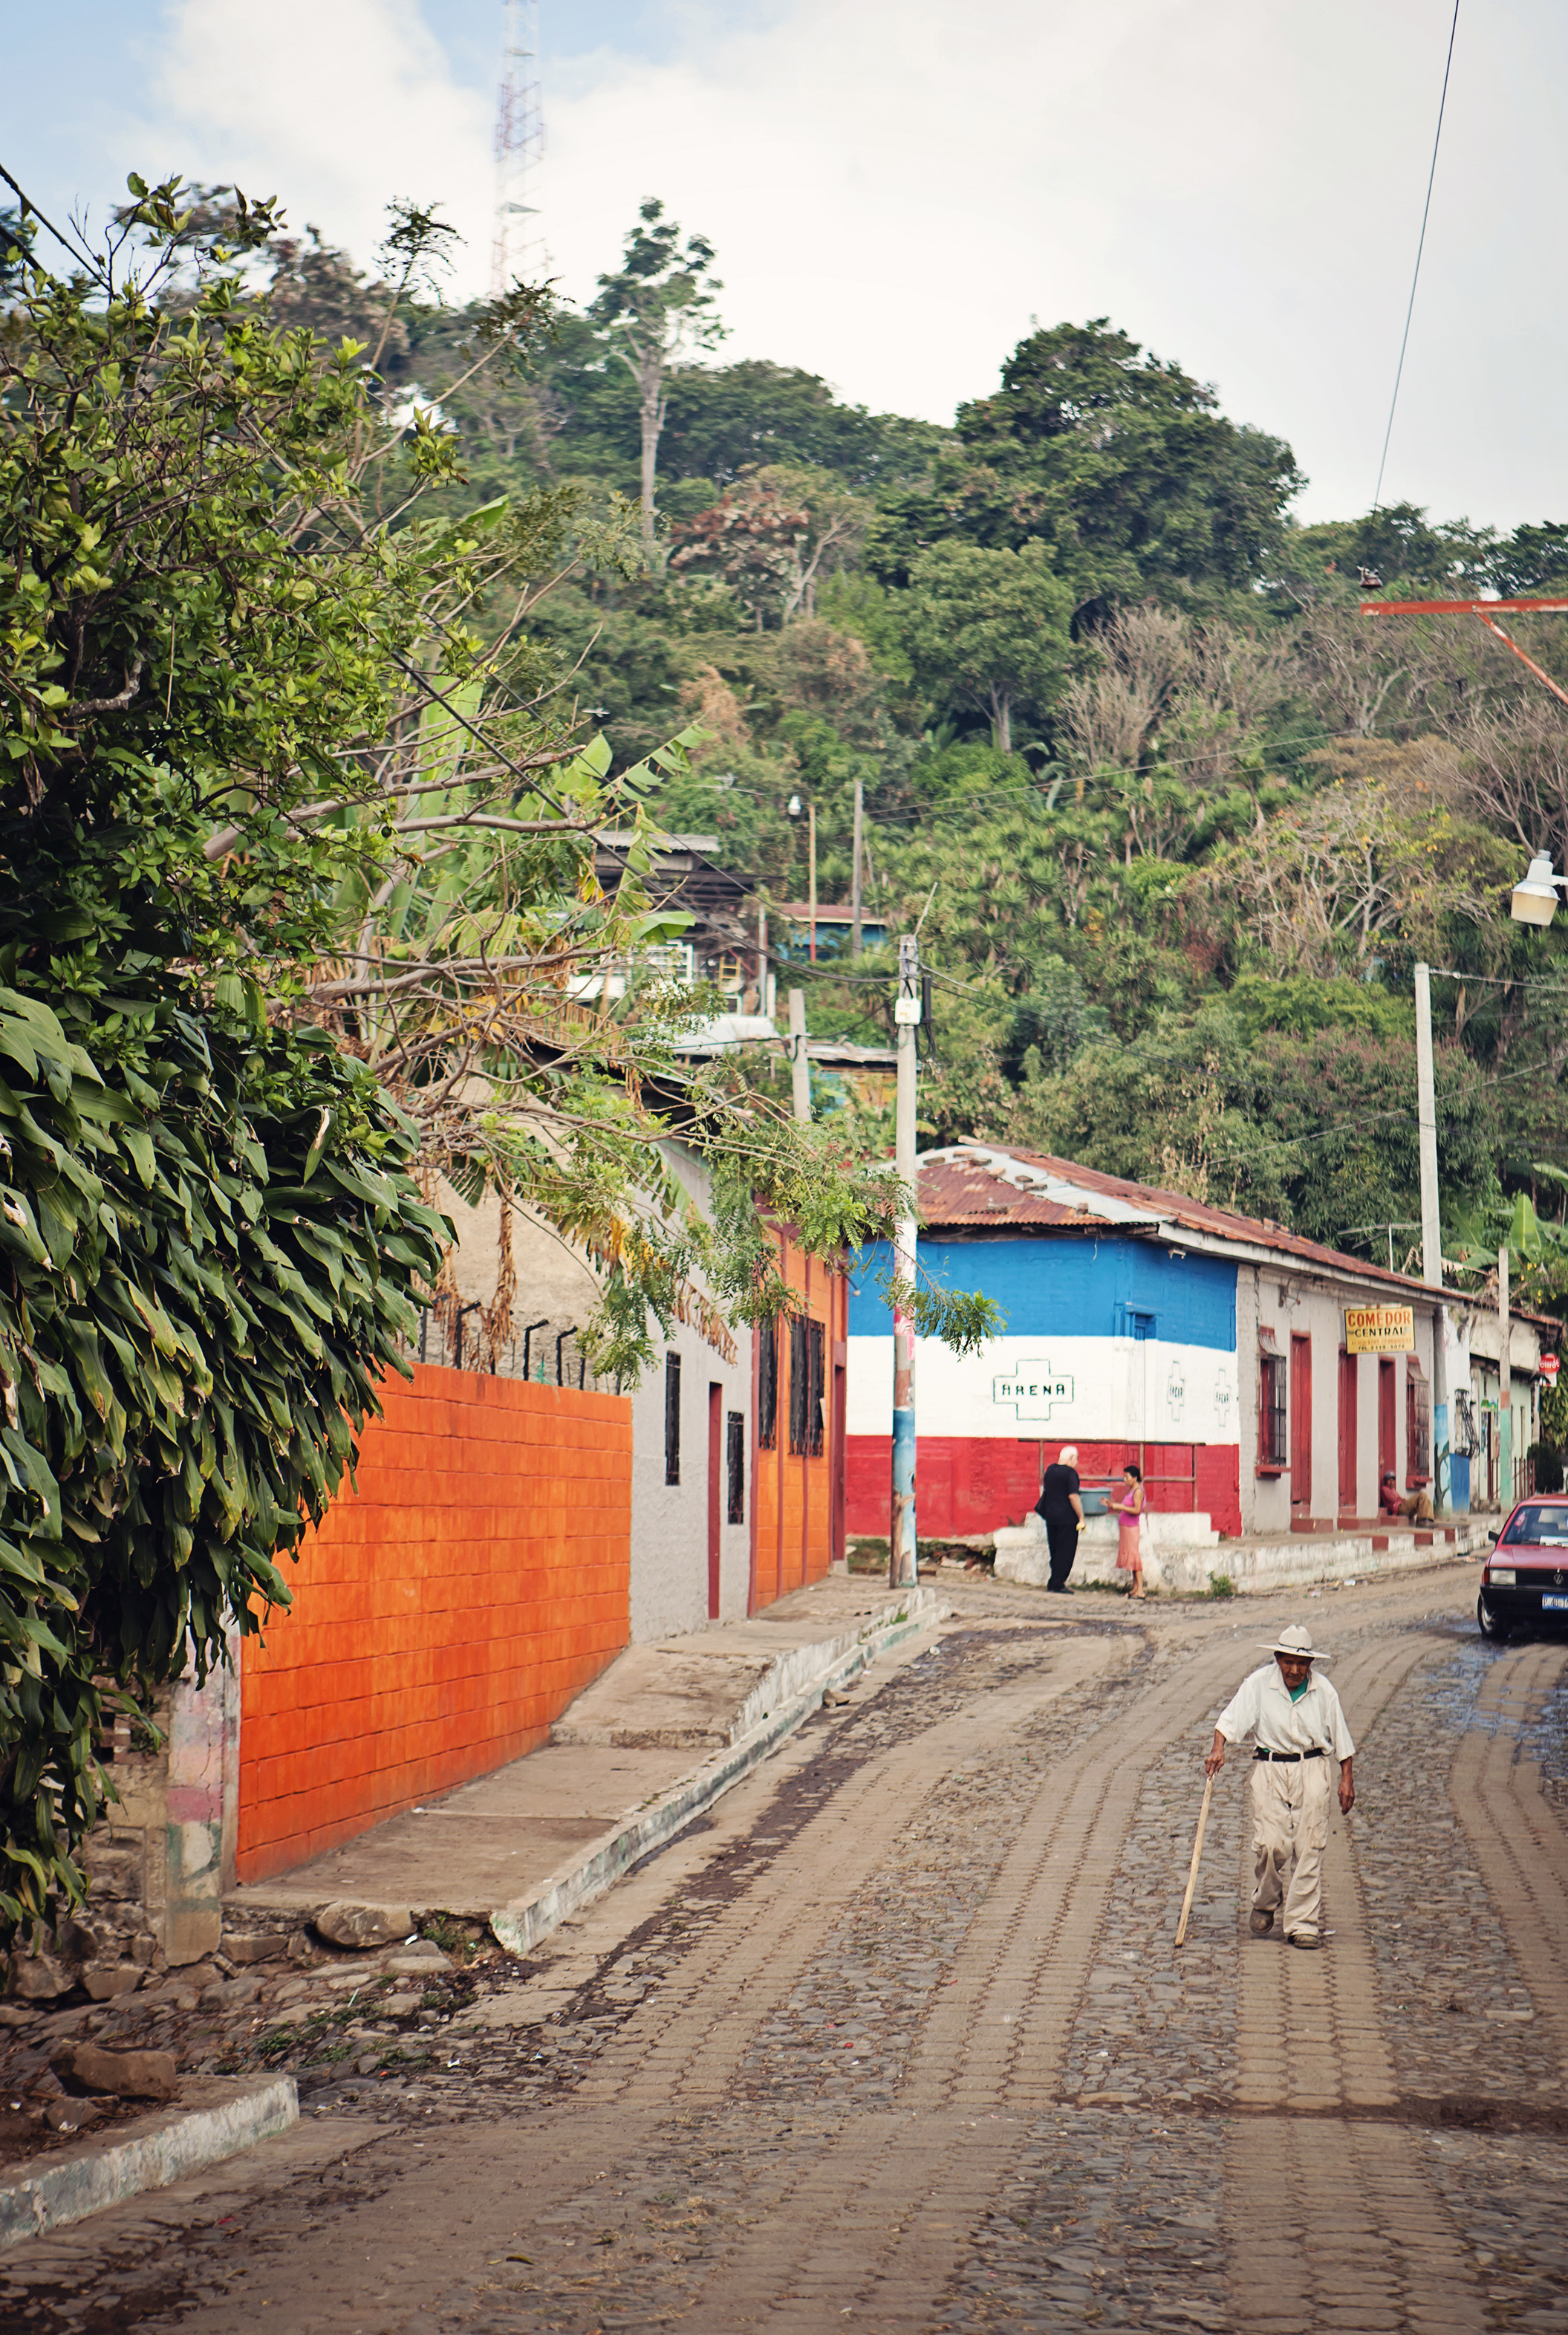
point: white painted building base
(1186, 1554)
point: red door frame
(1301, 1427)
(715, 1490)
(1387, 1429)
(1350, 1387)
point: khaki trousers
(1290, 1833)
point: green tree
(1119, 463)
(989, 629)
(296, 899)
(657, 306)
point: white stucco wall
(670, 1521)
(555, 1283)
(1298, 1304)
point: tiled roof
(976, 1184)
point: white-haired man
(1061, 1507)
(1299, 1728)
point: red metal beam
(1487, 610)
(1461, 607)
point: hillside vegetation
(1181, 820)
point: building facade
(1211, 1348)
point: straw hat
(1296, 1640)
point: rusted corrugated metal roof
(974, 1184)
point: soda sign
(1549, 1367)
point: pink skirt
(1128, 1555)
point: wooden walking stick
(1193, 1871)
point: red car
(1524, 1581)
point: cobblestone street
(897, 2038)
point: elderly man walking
(1299, 1728)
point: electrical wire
(1420, 247)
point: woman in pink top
(1129, 1512)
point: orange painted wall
(443, 1614)
(792, 1492)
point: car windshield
(1538, 1525)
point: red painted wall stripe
(967, 1485)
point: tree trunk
(650, 376)
(1001, 719)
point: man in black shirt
(1060, 1505)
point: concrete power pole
(1432, 1235)
(855, 871)
(1505, 1391)
(903, 1572)
(800, 1066)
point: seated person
(1417, 1506)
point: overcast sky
(897, 188)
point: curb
(518, 1926)
(71, 2187)
(1312, 1559)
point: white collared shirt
(1261, 1706)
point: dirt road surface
(898, 2040)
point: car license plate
(1554, 1605)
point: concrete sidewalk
(1250, 1562)
(650, 1744)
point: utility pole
(1505, 1391)
(854, 874)
(903, 1572)
(811, 832)
(799, 1064)
(1432, 1235)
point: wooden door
(1388, 1451)
(1350, 1372)
(1301, 1428)
(715, 1491)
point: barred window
(798, 1389)
(815, 1389)
(672, 1419)
(806, 1354)
(767, 1336)
(1418, 1422)
(735, 1456)
(1272, 1444)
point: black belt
(1261, 1754)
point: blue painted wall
(1071, 1288)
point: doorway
(1301, 1428)
(715, 1484)
(1350, 1375)
(1388, 1451)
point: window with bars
(807, 1383)
(1417, 1424)
(767, 1336)
(735, 1458)
(1273, 1438)
(672, 1419)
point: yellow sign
(1379, 1329)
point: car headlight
(1502, 1577)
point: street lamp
(1535, 900)
(795, 807)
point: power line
(1420, 247)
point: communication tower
(518, 248)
